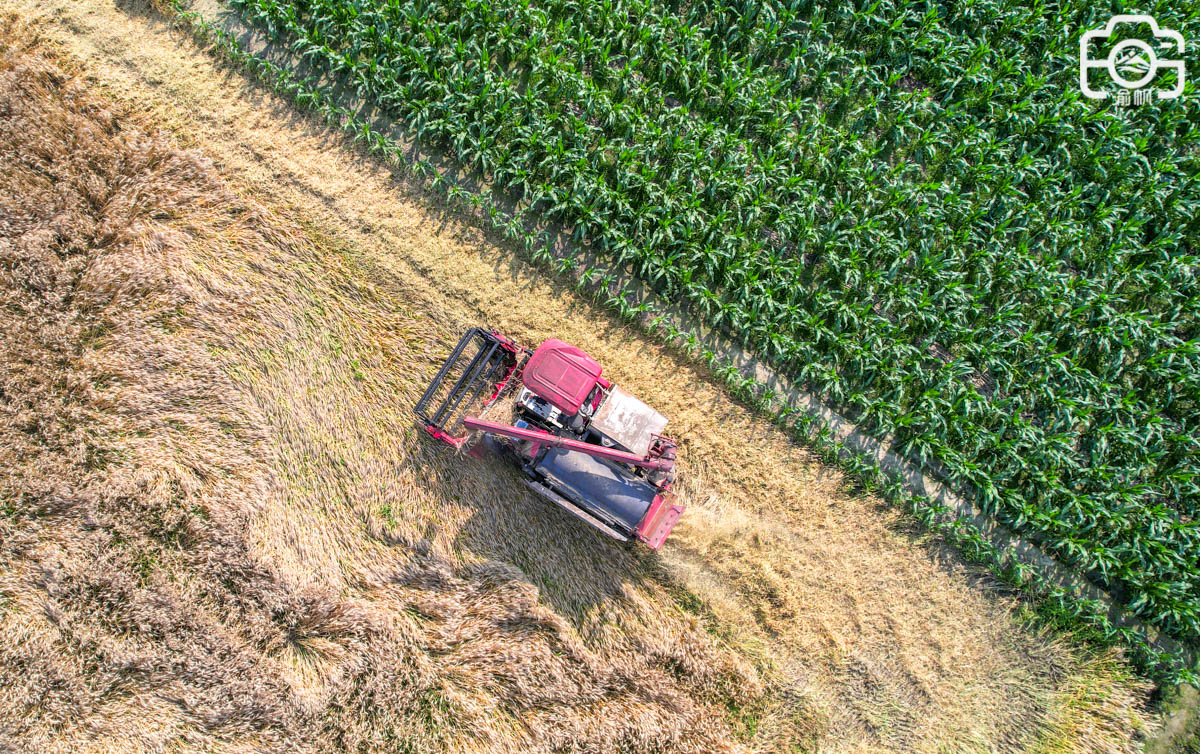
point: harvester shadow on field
(575, 569)
(513, 532)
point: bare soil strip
(427, 598)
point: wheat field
(220, 529)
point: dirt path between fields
(888, 642)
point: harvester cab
(583, 443)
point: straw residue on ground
(222, 526)
(136, 610)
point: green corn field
(910, 207)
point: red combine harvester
(583, 443)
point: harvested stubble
(373, 591)
(136, 615)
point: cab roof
(562, 374)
